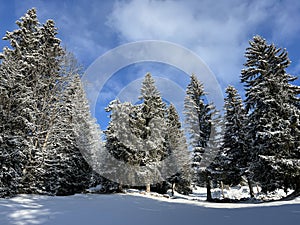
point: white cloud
(218, 31)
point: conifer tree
(198, 115)
(39, 114)
(200, 125)
(153, 111)
(178, 153)
(12, 127)
(72, 136)
(270, 104)
(136, 133)
(27, 65)
(234, 155)
(233, 146)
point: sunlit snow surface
(136, 208)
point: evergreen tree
(73, 137)
(40, 110)
(12, 126)
(25, 63)
(197, 121)
(270, 104)
(233, 159)
(36, 52)
(153, 111)
(237, 156)
(137, 133)
(200, 126)
(178, 159)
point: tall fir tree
(37, 138)
(200, 124)
(153, 111)
(198, 115)
(32, 91)
(137, 134)
(73, 136)
(234, 148)
(236, 157)
(270, 104)
(179, 162)
(12, 126)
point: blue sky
(217, 31)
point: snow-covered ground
(136, 208)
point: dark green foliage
(236, 157)
(39, 134)
(146, 135)
(270, 104)
(198, 118)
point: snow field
(145, 209)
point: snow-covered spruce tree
(197, 122)
(13, 126)
(272, 116)
(41, 66)
(178, 153)
(236, 161)
(153, 111)
(35, 110)
(73, 137)
(137, 133)
(33, 66)
(123, 140)
(211, 162)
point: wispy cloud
(218, 31)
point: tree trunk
(147, 188)
(120, 187)
(208, 188)
(173, 188)
(222, 188)
(250, 187)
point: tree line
(47, 131)
(256, 141)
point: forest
(50, 144)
